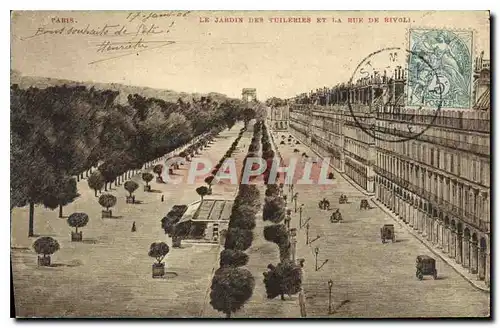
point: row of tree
(209, 180)
(233, 285)
(169, 222)
(274, 102)
(286, 276)
(60, 133)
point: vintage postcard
(250, 164)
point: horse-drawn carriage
(364, 205)
(324, 204)
(387, 233)
(336, 217)
(343, 199)
(426, 265)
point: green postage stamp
(440, 68)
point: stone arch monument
(249, 94)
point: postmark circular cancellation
(391, 87)
(379, 93)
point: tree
(110, 171)
(82, 126)
(96, 181)
(147, 177)
(230, 289)
(131, 186)
(243, 217)
(248, 195)
(78, 220)
(158, 251)
(243, 209)
(107, 201)
(275, 102)
(45, 246)
(278, 234)
(274, 209)
(243, 222)
(285, 278)
(234, 258)
(272, 190)
(202, 191)
(31, 179)
(248, 114)
(61, 193)
(267, 154)
(173, 216)
(266, 146)
(53, 133)
(158, 169)
(238, 239)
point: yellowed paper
(382, 117)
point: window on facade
(474, 197)
(432, 157)
(481, 173)
(460, 197)
(474, 173)
(438, 159)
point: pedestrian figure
(162, 198)
(134, 229)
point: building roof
(483, 103)
(208, 210)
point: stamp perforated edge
(474, 53)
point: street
(370, 279)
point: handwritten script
(137, 32)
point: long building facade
(437, 181)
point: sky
(197, 53)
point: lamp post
(293, 242)
(330, 285)
(300, 215)
(307, 233)
(288, 218)
(295, 200)
(316, 252)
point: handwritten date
(143, 17)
